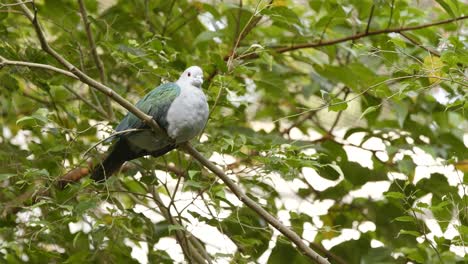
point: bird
(179, 108)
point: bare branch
(254, 206)
(391, 14)
(81, 75)
(193, 152)
(415, 42)
(97, 60)
(370, 18)
(284, 49)
(188, 248)
(14, 4)
(338, 116)
(4, 61)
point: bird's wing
(156, 103)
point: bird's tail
(105, 169)
(112, 163)
(123, 151)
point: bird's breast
(187, 115)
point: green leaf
(396, 195)
(83, 206)
(405, 218)
(409, 232)
(40, 115)
(207, 36)
(337, 105)
(3, 15)
(5, 176)
(175, 228)
(368, 110)
(401, 110)
(446, 7)
(282, 15)
(192, 173)
(283, 253)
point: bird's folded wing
(156, 103)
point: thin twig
(250, 25)
(391, 14)
(14, 4)
(187, 248)
(93, 106)
(283, 49)
(297, 240)
(336, 259)
(415, 42)
(168, 17)
(338, 116)
(4, 61)
(147, 18)
(82, 67)
(81, 75)
(370, 18)
(96, 58)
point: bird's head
(192, 75)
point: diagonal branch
(4, 62)
(253, 21)
(283, 49)
(189, 247)
(416, 43)
(97, 60)
(296, 239)
(81, 75)
(370, 18)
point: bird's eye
(188, 74)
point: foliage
(289, 106)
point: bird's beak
(198, 81)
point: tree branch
(97, 60)
(81, 75)
(14, 4)
(152, 123)
(416, 43)
(370, 18)
(188, 248)
(254, 206)
(283, 49)
(93, 106)
(338, 116)
(253, 21)
(4, 61)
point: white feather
(188, 114)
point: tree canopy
(337, 132)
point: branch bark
(283, 49)
(416, 43)
(4, 61)
(254, 206)
(188, 247)
(81, 75)
(97, 60)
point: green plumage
(155, 103)
(135, 144)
